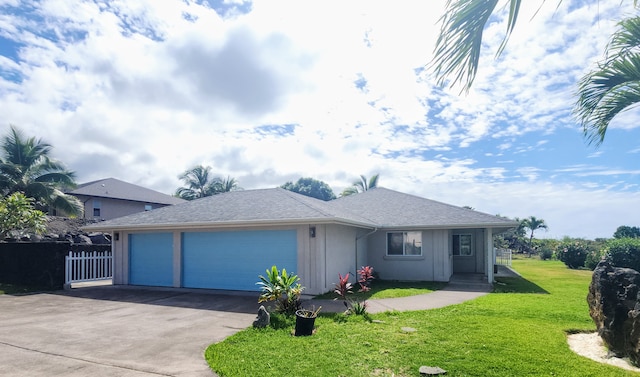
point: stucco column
(177, 259)
(491, 255)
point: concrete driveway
(117, 331)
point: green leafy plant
(19, 217)
(593, 258)
(624, 252)
(283, 288)
(344, 288)
(572, 253)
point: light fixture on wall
(312, 232)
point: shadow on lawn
(516, 284)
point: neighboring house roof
(393, 209)
(373, 209)
(116, 189)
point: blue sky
(269, 91)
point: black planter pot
(304, 324)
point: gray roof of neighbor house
(375, 208)
(116, 189)
(392, 209)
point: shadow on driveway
(202, 299)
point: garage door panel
(151, 259)
(233, 260)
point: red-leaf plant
(366, 276)
(343, 288)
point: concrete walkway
(453, 293)
(460, 289)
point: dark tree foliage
(624, 252)
(311, 187)
(627, 232)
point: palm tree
(25, 166)
(224, 185)
(362, 185)
(532, 223)
(602, 94)
(199, 183)
(614, 86)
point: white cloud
(144, 90)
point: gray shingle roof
(389, 209)
(116, 189)
(375, 208)
(264, 206)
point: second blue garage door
(233, 260)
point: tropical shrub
(624, 252)
(344, 288)
(545, 253)
(283, 288)
(593, 258)
(18, 216)
(572, 253)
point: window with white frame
(462, 245)
(97, 205)
(404, 243)
(148, 207)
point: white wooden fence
(503, 257)
(88, 266)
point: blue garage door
(233, 260)
(151, 259)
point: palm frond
(514, 10)
(68, 204)
(625, 40)
(614, 86)
(373, 181)
(349, 191)
(62, 178)
(457, 51)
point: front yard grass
(389, 289)
(507, 333)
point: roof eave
(452, 226)
(224, 224)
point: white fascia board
(225, 225)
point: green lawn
(507, 333)
(389, 289)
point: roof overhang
(185, 226)
(496, 228)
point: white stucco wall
(340, 254)
(120, 258)
(433, 265)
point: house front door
(464, 255)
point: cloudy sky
(269, 91)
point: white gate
(88, 266)
(503, 257)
